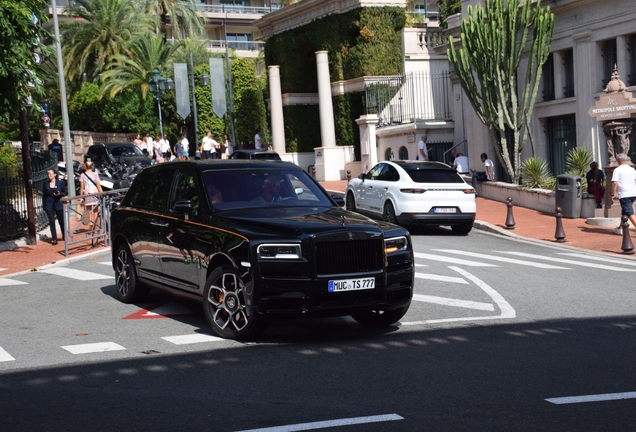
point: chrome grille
(354, 256)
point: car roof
(113, 144)
(249, 151)
(410, 165)
(220, 164)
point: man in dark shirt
(56, 147)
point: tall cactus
(494, 39)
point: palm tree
(182, 14)
(103, 29)
(134, 69)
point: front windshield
(257, 187)
(126, 150)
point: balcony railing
(235, 9)
(236, 45)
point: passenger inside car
(214, 193)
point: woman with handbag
(53, 190)
(89, 184)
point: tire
(224, 306)
(351, 202)
(462, 229)
(129, 289)
(381, 318)
(388, 215)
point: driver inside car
(271, 190)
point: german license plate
(351, 284)
(445, 210)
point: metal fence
(13, 202)
(411, 97)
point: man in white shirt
(165, 147)
(186, 147)
(488, 175)
(422, 151)
(257, 140)
(624, 188)
(207, 146)
(461, 163)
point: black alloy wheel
(462, 229)
(389, 213)
(351, 202)
(224, 304)
(129, 289)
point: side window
(136, 196)
(389, 174)
(186, 189)
(159, 192)
(375, 172)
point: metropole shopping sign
(614, 106)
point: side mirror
(182, 207)
(298, 191)
(361, 177)
(339, 200)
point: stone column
(368, 149)
(276, 107)
(327, 129)
(622, 56)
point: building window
(561, 138)
(631, 76)
(548, 78)
(608, 52)
(403, 153)
(388, 154)
(568, 73)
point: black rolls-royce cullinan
(254, 240)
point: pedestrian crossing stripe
(76, 274)
(5, 356)
(11, 282)
(93, 348)
(501, 259)
(170, 309)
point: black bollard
(348, 175)
(559, 234)
(627, 246)
(510, 219)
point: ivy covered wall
(364, 41)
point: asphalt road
(502, 335)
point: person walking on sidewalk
(596, 183)
(624, 188)
(52, 192)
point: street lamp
(158, 85)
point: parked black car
(105, 154)
(255, 241)
(255, 154)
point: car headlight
(395, 244)
(279, 251)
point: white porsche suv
(414, 193)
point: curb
(63, 261)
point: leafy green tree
(184, 18)
(19, 39)
(134, 69)
(448, 8)
(493, 41)
(104, 29)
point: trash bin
(568, 195)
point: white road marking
(76, 274)
(329, 423)
(451, 260)
(430, 276)
(502, 259)
(566, 261)
(2, 269)
(592, 398)
(454, 302)
(5, 356)
(421, 265)
(598, 258)
(191, 338)
(11, 282)
(507, 312)
(93, 348)
(106, 263)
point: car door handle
(159, 224)
(370, 187)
